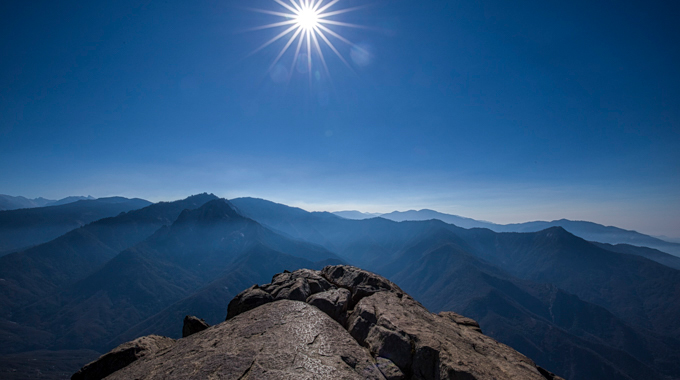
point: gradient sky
(506, 111)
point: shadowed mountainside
(650, 253)
(172, 264)
(20, 229)
(42, 270)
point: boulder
(461, 320)
(389, 369)
(360, 282)
(311, 279)
(192, 325)
(248, 300)
(333, 302)
(279, 340)
(296, 286)
(122, 356)
(427, 346)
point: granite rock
(279, 340)
(192, 325)
(122, 356)
(339, 323)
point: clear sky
(506, 111)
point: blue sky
(503, 111)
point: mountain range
(586, 230)
(23, 228)
(580, 309)
(8, 202)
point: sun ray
(318, 50)
(336, 35)
(341, 11)
(283, 51)
(339, 23)
(270, 12)
(274, 39)
(269, 26)
(295, 57)
(330, 45)
(286, 6)
(309, 55)
(327, 6)
(295, 4)
(317, 5)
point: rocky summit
(338, 323)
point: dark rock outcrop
(333, 302)
(461, 320)
(248, 300)
(122, 356)
(338, 323)
(192, 325)
(360, 282)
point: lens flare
(308, 26)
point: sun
(308, 27)
(307, 18)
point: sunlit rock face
(280, 340)
(338, 323)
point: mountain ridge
(544, 293)
(8, 202)
(171, 264)
(24, 228)
(584, 229)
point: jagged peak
(214, 211)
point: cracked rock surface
(122, 356)
(338, 323)
(279, 340)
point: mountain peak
(214, 211)
(202, 196)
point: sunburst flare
(307, 26)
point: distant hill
(8, 202)
(357, 215)
(425, 214)
(596, 232)
(586, 230)
(38, 272)
(24, 228)
(68, 200)
(650, 253)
